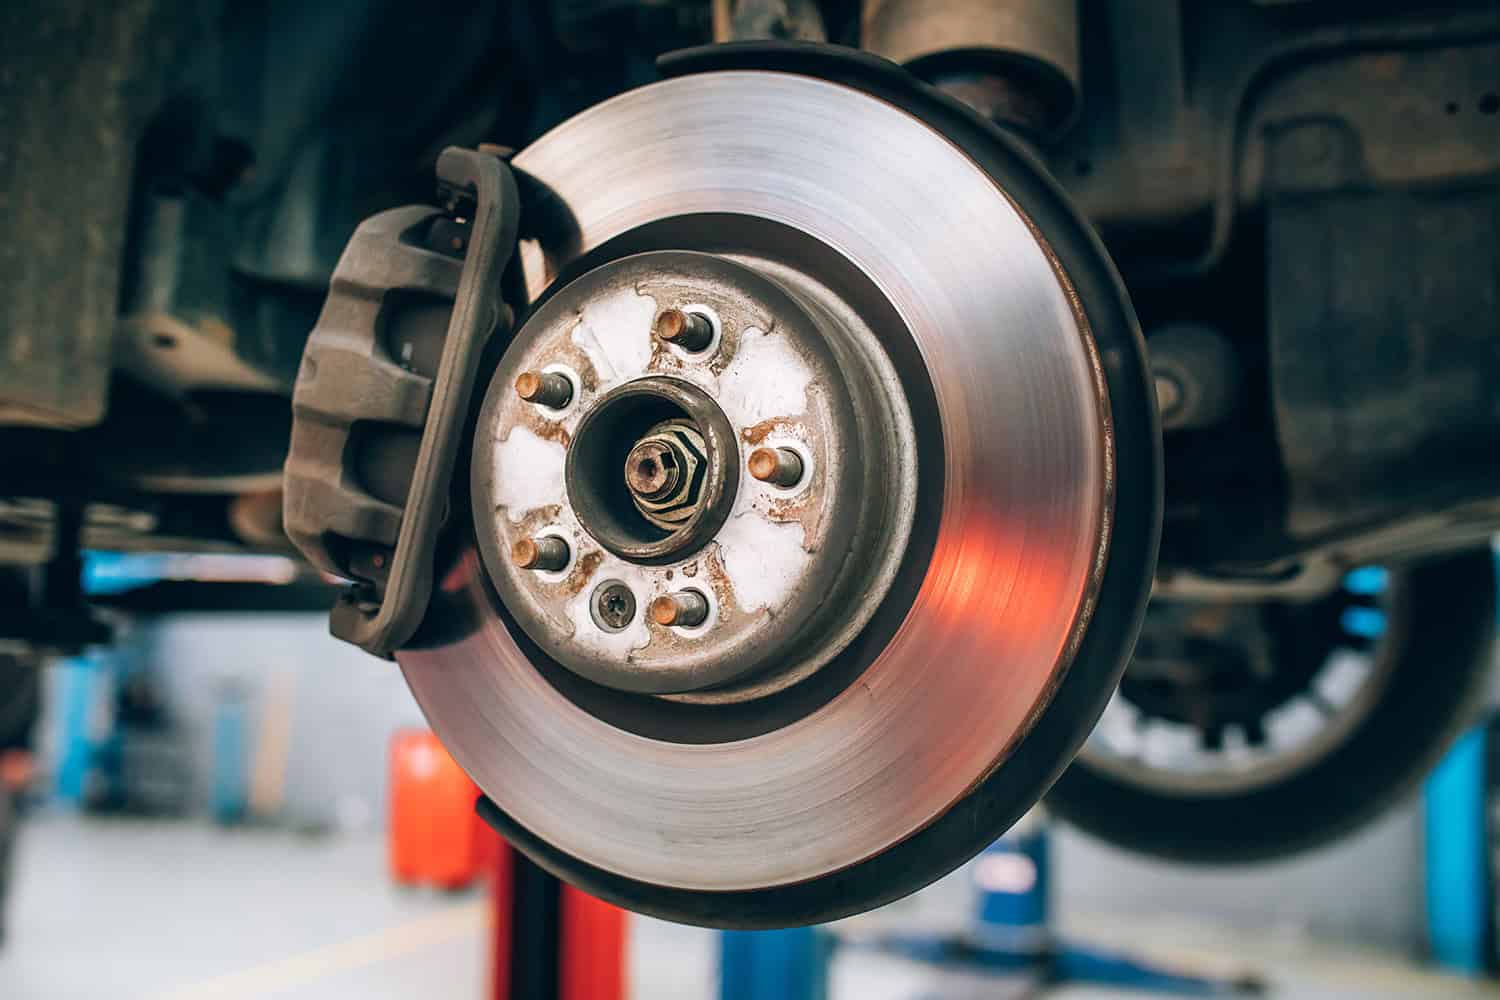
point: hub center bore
(652, 469)
(704, 520)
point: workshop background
(214, 817)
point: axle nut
(664, 472)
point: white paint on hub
(766, 379)
(615, 332)
(528, 473)
(762, 558)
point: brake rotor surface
(998, 578)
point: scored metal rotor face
(1023, 484)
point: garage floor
(135, 909)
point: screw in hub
(547, 389)
(613, 606)
(688, 330)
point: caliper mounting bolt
(547, 389)
(688, 330)
(778, 466)
(548, 553)
(684, 608)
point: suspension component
(1014, 61)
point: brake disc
(814, 502)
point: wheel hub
(719, 471)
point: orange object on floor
(434, 836)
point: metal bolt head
(778, 466)
(688, 330)
(652, 469)
(676, 502)
(613, 606)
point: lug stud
(548, 553)
(547, 389)
(684, 608)
(778, 466)
(688, 330)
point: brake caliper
(384, 390)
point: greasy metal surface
(1180, 100)
(785, 570)
(1023, 527)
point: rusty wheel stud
(548, 553)
(547, 389)
(688, 330)
(684, 608)
(778, 466)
